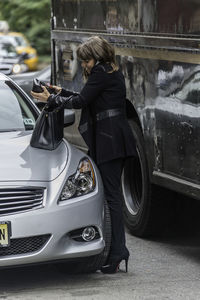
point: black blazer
(111, 137)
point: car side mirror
(24, 55)
(69, 117)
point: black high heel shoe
(113, 265)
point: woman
(105, 129)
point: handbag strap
(48, 109)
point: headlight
(80, 183)
(19, 68)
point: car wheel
(92, 263)
(143, 203)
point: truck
(157, 45)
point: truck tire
(144, 206)
(92, 263)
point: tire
(144, 205)
(92, 263)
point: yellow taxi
(22, 45)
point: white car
(52, 206)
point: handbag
(48, 131)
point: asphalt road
(164, 268)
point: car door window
(15, 113)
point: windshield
(20, 41)
(16, 114)
(7, 50)
(15, 40)
(8, 39)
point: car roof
(15, 33)
(19, 34)
(12, 33)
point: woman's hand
(56, 88)
(43, 97)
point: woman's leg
(111, 176)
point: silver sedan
(52, 206)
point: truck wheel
(143, 204)
(92, 263)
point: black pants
(111, 176)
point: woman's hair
(99, 49)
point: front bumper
(53, 224)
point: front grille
(25, 245)
(14, 200)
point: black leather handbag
(48, 131)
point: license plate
(5, 233)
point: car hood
(27, 49)
(21, 162)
